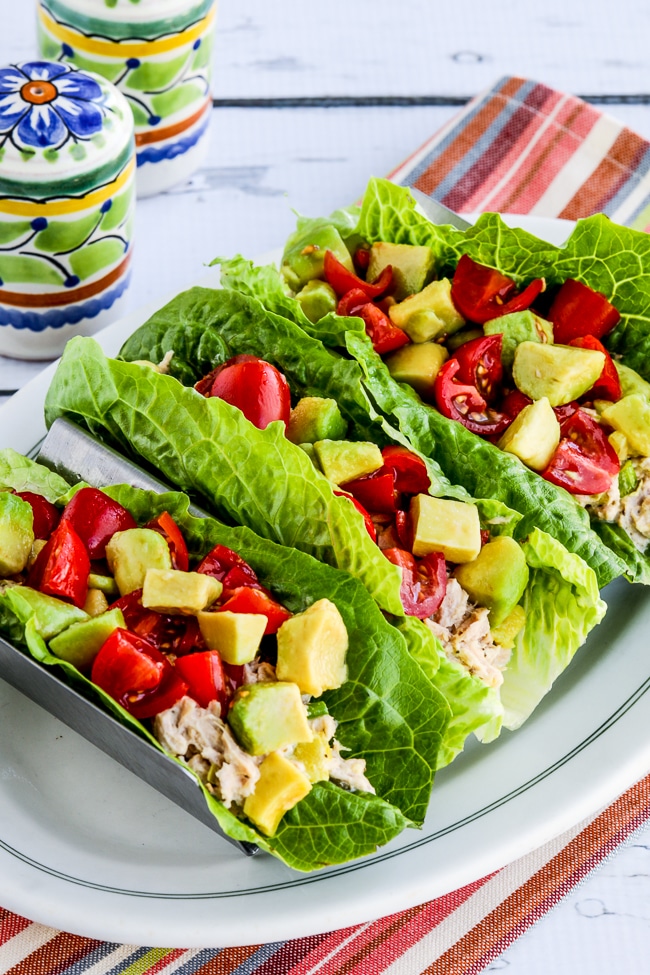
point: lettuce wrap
(205, 327)
(388, 711)
(606, 257)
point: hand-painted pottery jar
(67, 197)
(158, 53)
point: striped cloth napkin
(520, 148)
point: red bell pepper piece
(254, 386)
(410, 471)
(375, 492)
(205, 678)
(247, 600)
(465, 404)
(136, 675)
(46, 514)
(95, 518)
(165, 525)
(608, 385)
(342, 280)
(370, 527)
(585, 462)
(480, 365)
(578, 310)
(62, 567)
(424, 581)
(481, 293)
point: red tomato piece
(410, 471)
(205, 678)
(578, 310)
(254, 386)
(404, 529)
(351, 301)
(62, 567)
(376, 491)
(136, 675)
(370, 527)
(229, 568)
(342, 280)
(514, 402)
(424, 581)
(95, 518)
(385, 336)
(247, 600)
(585, 462)
(175, 634)
(361, 259)
(608, 385)
(46, 514)
(165, 525)
(464, 403)
(481, 293)
(480, 365)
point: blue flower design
(43, 104)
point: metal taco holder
(75, 455)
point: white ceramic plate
(88, 848)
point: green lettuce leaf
(389, 713)
(23, 474)
(207, 448)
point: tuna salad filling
(630, 510)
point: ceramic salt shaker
(67, 197)
(158, 53)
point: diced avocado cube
(107, 584)
(465, 335)
(51, 615)
(81, 642)
(316, 756)
(316, 418)
(317, 299)
(173, 591)
(562, 373)
(631, 416)
(418, 364)
(279, 788)
(16, 533)
(507, 632)
(96, 602)
(268, 716)
(237, 636)
(631, 381)
(518, 327)
(312, 646)
(345, 460)
(130, 553)
(428, 314)
(618, 441)
(534, 435)
(310, 450)
(496, 578)
(442, 525)
(413, 266)
(304, 255)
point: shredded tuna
(349, 772)
(199, 736)
(258, 671)
(631, 512)
(464, 631)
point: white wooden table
(310, 101)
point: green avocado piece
(314, 418)
(51, 615)
(429, 314)
(534, 435)
(16, 533)
(447, 526)
(304, 254)
(312, 647)
(105, 584)
(80, 643)
(518, 327)
(346, 460)
(130, 553)
(268, 716)
(497, 578)
(317, 299)
(631, 415)
(418, 364)
(413, 266)
(631, 381)
(560, 372)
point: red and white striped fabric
(520, 148)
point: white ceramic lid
(58, 122)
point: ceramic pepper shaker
(158, 53)
(67, 197)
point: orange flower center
(38, 92)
